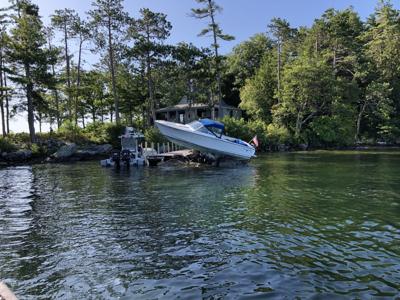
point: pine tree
(108, 21)
(149, 31)
(210, 9)
(63, 20)
(29, 55)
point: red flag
(255, 141)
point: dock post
(158, 148)
(152, 145)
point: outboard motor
(116, 157)
(126, 156)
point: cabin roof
(184, 104)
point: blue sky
(241, 18)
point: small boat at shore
(206, 136)
(131, 153)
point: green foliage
(258, 94)
(269, 136)
(69, 131)
(153, 135)
(278, 134)
(332, 84)
(19, 138)
(38, 150)
(6, 145)
(247, 57)
(113, 132)
(332, 131)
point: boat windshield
(208, 126)
(197, 126)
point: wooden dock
(6, 293)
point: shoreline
(78, 157)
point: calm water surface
(313, 225)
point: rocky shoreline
(60, 152)
(70, 152)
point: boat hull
(203, 142)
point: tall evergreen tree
(63, 20)
(209, 10)
(149, 32)
(27, 51)
(108, 21)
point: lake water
(319, 224)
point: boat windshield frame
(217, 131)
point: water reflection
(297, 224)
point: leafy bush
(6, 145)
(153, 135)
(20, 138)
(330, 131)
(245, 131)
(113, 132)
(237, 128)
(38, 150)
(71, 133)
(278, 134)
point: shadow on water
(307, 224)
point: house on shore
(184, 113)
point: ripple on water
(287, 225)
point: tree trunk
(83, 119)
(298, 124)
(55, 92)
(68, 71)
(210, 7)
(3, 119)
(78, 81)
(7, 105)
(279, 67)
(152, 112)
(29, 91)
(360, 115)
(40, 122)
(57, 103)
(112, 70)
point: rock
(283, 148)
(103, 149)
(53, 145)
(66, 151)
(20, 155)
(92, 151)
(303, 147)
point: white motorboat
(206, 136)
(131, 154)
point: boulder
(103, 149)
(303, 147)
(66, 151)
(93, 151)
(17, 156)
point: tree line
(136, 72)
(333, 83)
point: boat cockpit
(208, 126)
